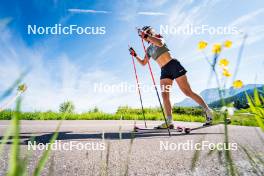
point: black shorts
(173, 69)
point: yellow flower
(228, 44)
(223, 62)
(237, 84)
(226, 73)
(202, 45)
(216, 48)
(22, 88)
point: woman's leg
(184, 85)
(165, 91)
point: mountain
(211, 95)
(239, 100)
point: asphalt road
(121, 152)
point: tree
(238, 104)
(67, 106)
(95, 109)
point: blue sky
(65, 67)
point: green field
(126, 113)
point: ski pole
(153, 80)
(138, 88)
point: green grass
(18, 165)
(256, 108)
(7, 115)
(244, 120)
(183, 114)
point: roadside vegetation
(241, 117)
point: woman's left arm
(156, 41)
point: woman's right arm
(139, 59)
(142, 61)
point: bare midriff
(163, 59)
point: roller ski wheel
(187, 130)
(179, 129)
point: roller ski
(188, 130)
(160, 128)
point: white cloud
(51, 83)
(88, 11)
(152, 13)
(249, 24)
(243, 20)
(155, 3)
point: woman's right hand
(138, 58)
(132, 52)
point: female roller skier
(171, 69)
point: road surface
(109, 148)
